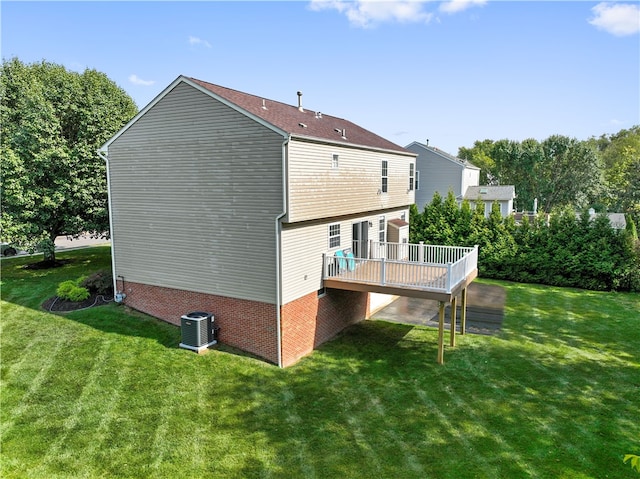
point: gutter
(278, 227)
(104, 154)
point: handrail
(429, 267)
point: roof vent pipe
(300, 101)
(264, 105)
(344, 133)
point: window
(411, 176)
(381, 229)
(403, 216)
(334, 162)
(417, 183)
(334, 235)
(322, 292)
(385, 176)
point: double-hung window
(334, 235)
(385, 176)
(382, 229)
(411, 176)
(334, 162)
(417, 183)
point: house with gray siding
(487, 195)
(439, 171)
(227, 202)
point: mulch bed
(57, 305)
(47, 264)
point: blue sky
(450, 72)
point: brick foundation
(250, 326)
(310, 321)
(244, 324)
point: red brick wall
(309, 321)
(244, 324)
(306, 322)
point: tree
(480, 155)
(621, 158)
(53, 122)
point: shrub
(70, 291)
(99, 283)
(65, 288)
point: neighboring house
(504, 195)
(225, 202)
(441, 172)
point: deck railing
(417, 266)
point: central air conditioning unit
(197, 330)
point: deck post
(421, 252)
(324, 266)
(463, 311)
(448, 277)
(454, 308)
(383, 273)
(440, 332)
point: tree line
(602, 173)
(567, 249)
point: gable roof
(282, 118)
(490, 193)
(458, 161)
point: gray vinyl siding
(439, 174)
(316, 190)
(304, 244)
(195, 190)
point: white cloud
(367, 13)
(198, 41)
(619, 19)
(455, 6)
(139, 81)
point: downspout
(278, 226)
(113, 255)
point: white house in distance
(503, 195)
(439, 171)
(226, 202)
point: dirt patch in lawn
(57, 305)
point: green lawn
(107, 393)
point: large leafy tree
(53, 121)
(558, 171)
(621, 157)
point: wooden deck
(429, 280)
(424, 271)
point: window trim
(332, 237)
(412, 169)
(384, 176)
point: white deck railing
(416, 266)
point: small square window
(322, 292)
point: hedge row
(565, 249)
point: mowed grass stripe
(74, 427)
(32, 371)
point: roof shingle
(291, 120)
